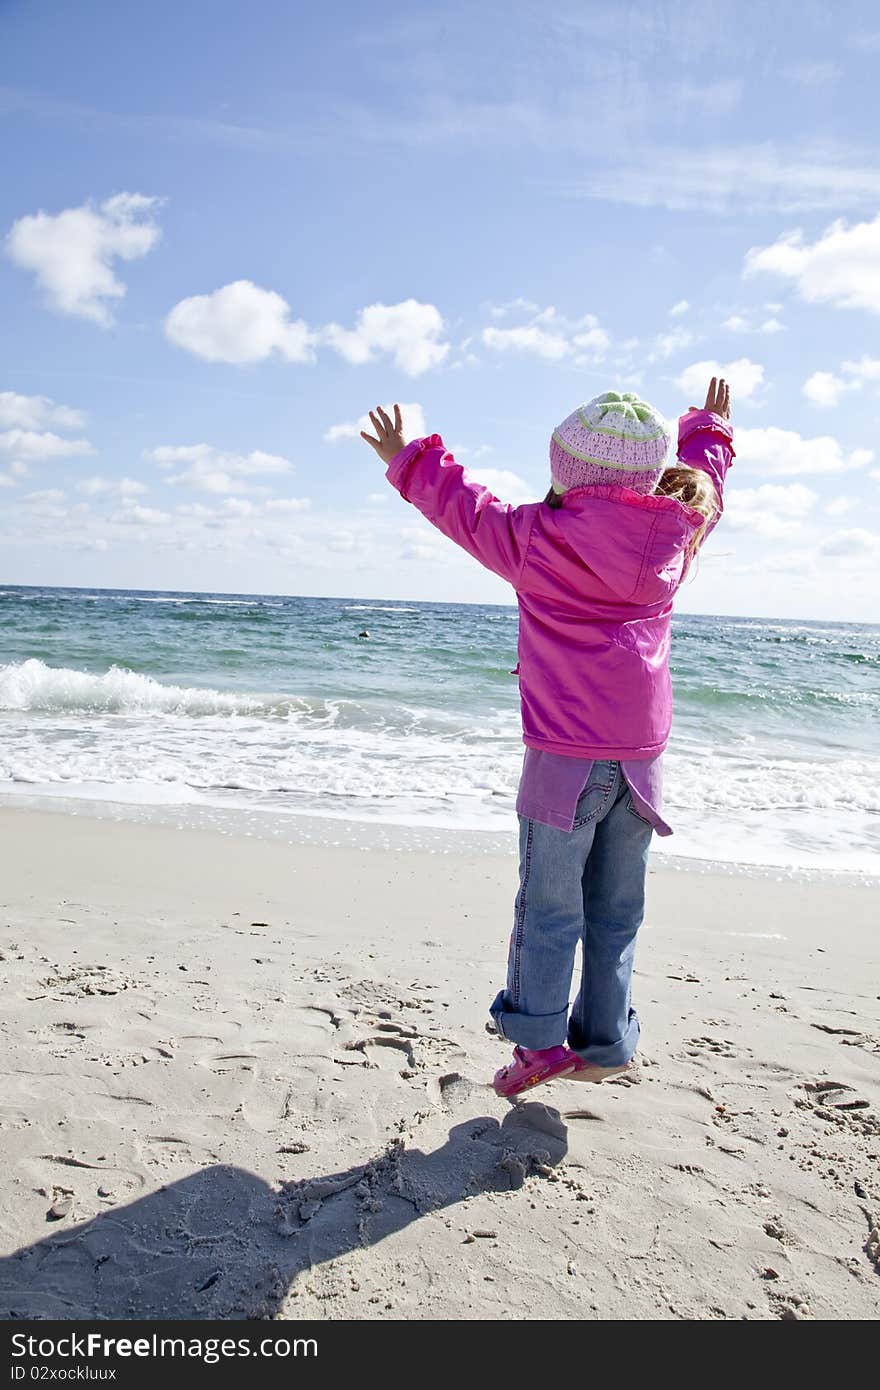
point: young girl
(595, 567)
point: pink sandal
(530, 1068)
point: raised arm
(426, 474)
(705, 437)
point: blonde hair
(694, 489)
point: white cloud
(866, 369)
(342, 542)
(630, 381)
(133, 514)
(507, 486)
(31, 446)
(850, 543)
(826, 389)
(551, 346)
(841, 268)
(552, 336)
(422, 542)
(346, 430)
(237, 506)
(414, 426)
(813, 73)
(243, 323)
(206, 481)
(667, 344)
(410, 332)
(418, 551)
(520, 305)
(736, 323)
(239, 323)
(27, 441)
(235, 509)
(761, 177)
(288, 505)
(212, 470)
(782, 453)
(726, 94)
(591, 345)
(743, 376)
(770, 510)
(867, 42)
(111, 487)
(839, 505)
(196, 509)
(49, 494)
(72, 253)
(36, 413)
(681, 307)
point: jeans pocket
(631, 806)
(593, 798)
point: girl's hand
(717, 398)
(390, 439)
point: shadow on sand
(222, 1243)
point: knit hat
(612, 439)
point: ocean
(277, 704)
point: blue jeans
(587, 885)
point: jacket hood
(635, 544)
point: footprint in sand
(383, 1000)
(385, 1051)
(62, 1038)
(84, 980)
(721, 1047)
(366, 1024)
(336, 1016)
(129, 1059)
(837, 1103)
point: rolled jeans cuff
(614, 1054)
(535, 1031)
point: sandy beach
(248, 1079)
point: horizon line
(360, 598)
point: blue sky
(228, 232)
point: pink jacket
(595, 580)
